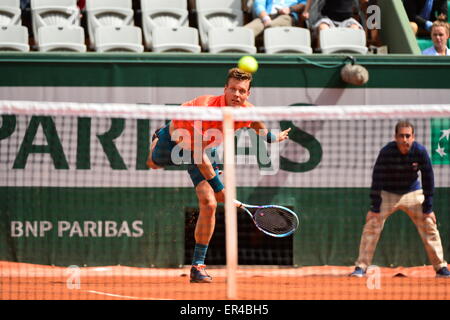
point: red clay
(35, 282)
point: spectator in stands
(335, 13)
(247, 9)
(24, 4)
(299, 8)
(274, 13)
(422, 14)
(440, 32)
(81, 4)
(136, 5)
(247, 5)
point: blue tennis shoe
(443, 273)
(199, 275)
(358, 273)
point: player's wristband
(216, 184)
(428, 25)
(271, 137)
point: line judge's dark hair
(403, 124)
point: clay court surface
(20, 281)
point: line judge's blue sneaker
(199, 275)
(358, 273)
(443, 273)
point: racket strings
(275, 220)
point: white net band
(142, 111)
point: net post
(230, 207)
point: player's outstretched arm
(283, 135)
(262, 130)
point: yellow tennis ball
(248, 64)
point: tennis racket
(275, 221)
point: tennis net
(83, 217)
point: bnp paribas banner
(93, 152)
(440, 141)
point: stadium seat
(53, 12)
(107, 13)
(287, 40)
(10, 13)
(343, 40)
(14, 38)
(182, 39)
(162, 13)
(217, 14)
(238, 39)
(61, 38)
(118, 39)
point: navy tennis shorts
(163, 150)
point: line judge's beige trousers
(411, 203)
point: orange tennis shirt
(207, 130)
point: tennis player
(395, 186)
(203, 169)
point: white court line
(122, 296)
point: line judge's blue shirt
(397, 173)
